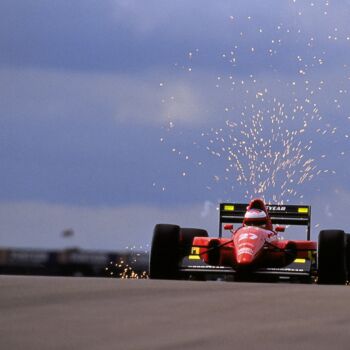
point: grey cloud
(130, 36)
(40, 224)
(154, 98)
(88, 89)
(87, 138)
(83, 138)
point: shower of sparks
(260, 152)
(130, 265)
(266, 147)
(264, 144)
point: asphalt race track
(97, 313)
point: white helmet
(255, 217)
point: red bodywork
(252, 247)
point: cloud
(129, 36)
(155, 97)
(87, 89)
(40, 224)
(79, 137)
(330, 209)
(87, 95)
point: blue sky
(117, 115)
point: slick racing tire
(186, 238)
(331, 257)
(347, 254)
(164, 256)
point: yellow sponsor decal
(303, 210)
(195, 253)
(300, 261)
(229, 207)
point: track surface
(91, 313)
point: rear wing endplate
(231, 213)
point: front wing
(300, 269)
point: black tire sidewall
(164, 255)
(331, 257)
(347, 254)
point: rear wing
(231, 213)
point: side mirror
(280, 228)
(228, 227)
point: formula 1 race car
(254, 251)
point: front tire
(164, 256)
(331, 257)
(347, 254)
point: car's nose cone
(244, 258)
(248, 242)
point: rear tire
(347, 254)
(331, 257)
(186, 238)
(164, 256)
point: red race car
(254, 251)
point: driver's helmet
(255, 217)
